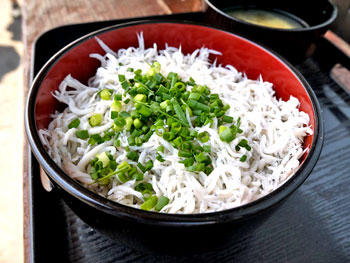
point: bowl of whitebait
(292, 28)
(171, 135)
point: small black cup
(294, 44)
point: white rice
(275, 130)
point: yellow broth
(265, 18)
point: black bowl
(293, 44)
(150, 231)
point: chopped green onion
(168, 136)
(208, 170)
(143, 186)
(121, 78)
(207, 148)
(194, 96)
(138, 141)
(175, 127)
(144, 111)
(95, 120)
(138, 72)
(175, 92)
(125, 85)
(145, 129)
(193, 133)
(198, 167)
(141, 167)
(95, 138)
(177, 142)
(116, 106)
(114, 114)
(129, 123)
(158, 78)
(149, 165)
(122, 177)
(104, 159)
(166, 96)
(137, 176)
(243, 158)
(116, 143)
(163, 105)
(137, 123)
(160, 148)
(195, 105)
(214, 97)
(134, 156)
(83, 134)
(179, 112)
(150, 203)
(200, 157)
(163, 201)
(243, 143)
(146, 194)
(124, 114)
(74, 123)
(136, 133)
(124, 165)
(186, 146)
(197, 112)
(181, 86)
(159, 123)
(226, 135)
(120, 122)
(184, 132)
(140, 98)
(105, 94)
(160, 158)
(227, 119)
(188, 162)
(203, 137)
(131, 141)
(147, 136)
(162, 90)
(185, 154)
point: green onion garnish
(105, 94)
(134, 156)
(203, 137)
(227, 119)
(160, 106)
(150, 203)
(163, 201)
(95, 120)
(83, 134)
(243, 158)
(74, 123)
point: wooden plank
(184, 6)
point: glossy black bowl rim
(135, 215)
(303, 29)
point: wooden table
(42, 15)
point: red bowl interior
(243, 54)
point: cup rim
(330, 20)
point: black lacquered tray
(313, 225)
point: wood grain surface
(42, 15)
